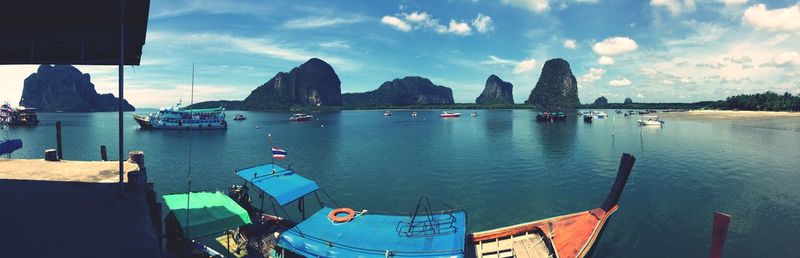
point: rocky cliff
(496, 91)
(602, 100)
(313, 83)
(411, 90)
(556, 88)
(65, 88)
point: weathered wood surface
(65, 170)
(573, 234)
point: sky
(650, 51)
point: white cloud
(525, 66)
(675, 7)
(605, 60)
(532, 5)
(395, 22)
(614, 46)
(334, 44)
(710, 65)
(483, 23)
(780, 19)
(619, 82)
(168, 9)
(320, 22)
(493, 60)
(218, 42)
(423, 20)
(417, 16)
(647, 71)
(667, 82)
(459, 28)
(789, 58)
(734, 2)
(571, 44)
(739, 60)
(594, 74)
(639, 95)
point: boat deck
(378, 235)
(571, 235)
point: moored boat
(650, 121)
(447, 114)
(239, 117)
(18, 116)
(387, 113)
(414, 114)
(551, 116)
(474, 114)
(180, 118)
(572, 235)
(300, 117)
(588, 118)
(344, 232)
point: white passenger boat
(180, 118)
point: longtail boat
(572, 235)
(345, 232)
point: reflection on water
(503, 167)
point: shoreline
(730, 114)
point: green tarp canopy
(209, 213)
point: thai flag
(278, 153)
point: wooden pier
(75, 209)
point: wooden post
(103, 154)
(58, 141)
(719, 234)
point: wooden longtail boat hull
(571, 235)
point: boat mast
(189, 178)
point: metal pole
(189, 178)
(121, 94)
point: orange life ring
(350, 214)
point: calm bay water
(502, 167)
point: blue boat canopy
(9, 146)
(371, 234)
(282, 184)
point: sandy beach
(730, 114)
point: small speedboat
(239, 117)
(650, 121)
(387, 113)
(447, 114)
(588, 118)
(413, 114)
(474, 114)
(300, 117)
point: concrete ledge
(64, 171)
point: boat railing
(431, 225)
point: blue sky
(651, 51)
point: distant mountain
(496, 91)
(313, 83)
(411, 90)
(556, 88)
(65, 88)
(602, 100)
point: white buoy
(321, 125)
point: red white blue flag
(278, 153)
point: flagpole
(271, 154)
